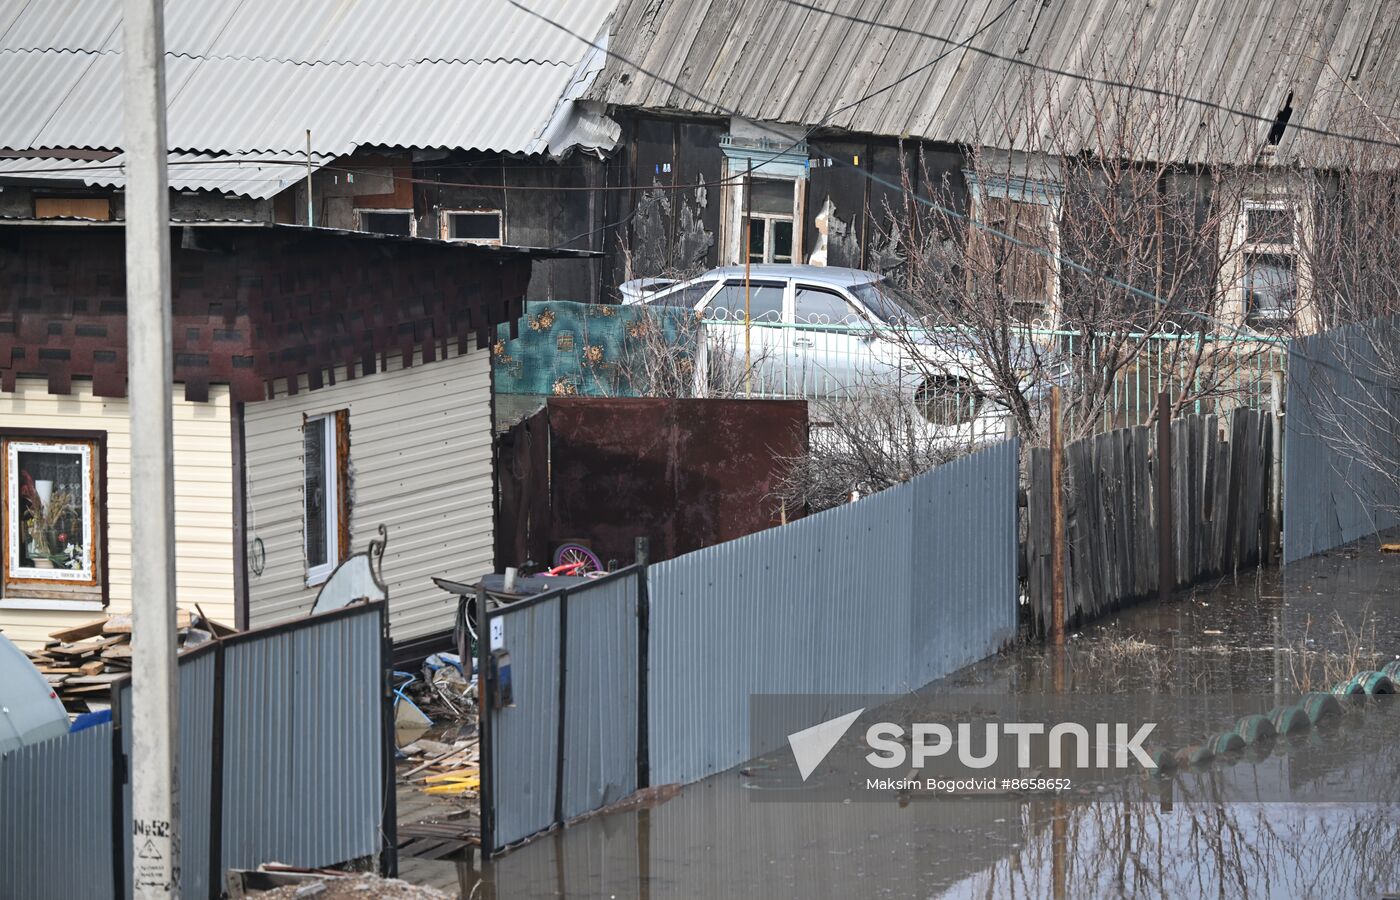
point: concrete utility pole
(155, 807)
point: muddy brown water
(1260, 632)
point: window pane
(474, 226)
(1269, 226)
(386, 222)
(1270, 286)
(772, 196)
(315, 492)
(816, 305)
(686, 298)
(54, 513)
(782, 241)
(758, 240)
(765, 302)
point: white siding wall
(203, 499)
(420, 462)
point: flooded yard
(1260, 634)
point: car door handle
(802, 342)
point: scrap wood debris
(443, 769)
(83, 661)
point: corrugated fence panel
(818, 607)
(196, 737)
(600, 695)
(56, 807)
(964, 601)
(303, 744)
(525, 735)
(1341, 444)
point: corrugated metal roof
(256, 175)
(253, 76)
(793, 61)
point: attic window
(476, 226)
(386, 221)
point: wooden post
(1275, 549)
(1166, 557)
(1057, 515)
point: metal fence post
(643, 559)
(389, 853)
(216, 773)
(563, 706)
(483, 724)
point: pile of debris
(81, 662)
(444, 769)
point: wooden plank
(79, 632)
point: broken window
(482, 226)
(1013, 269)
(1269, 249)
(50, 518)
(325, 446)
(386, 221)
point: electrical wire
(1091, 79)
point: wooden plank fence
(1219, 504)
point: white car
(820, 333)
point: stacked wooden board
(82, 662)
(1220, 511)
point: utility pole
(748, 254)
(154, 764)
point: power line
(1080, 76)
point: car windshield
(887, 302)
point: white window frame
(360, 225)
(330, 472)
(734, 200)
(768, 220)
(88, 574)
(1247, 248)
(445, 226)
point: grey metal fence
(56, 817)
(644, 677)
(1341, 437)
(563, 740)
(876, 597)
(283, 755)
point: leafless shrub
(1347, 650)
(865, 443)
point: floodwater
(1259, 634)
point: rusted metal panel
(686, 474)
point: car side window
(821, 306)
(765, 302)
(685, 298)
